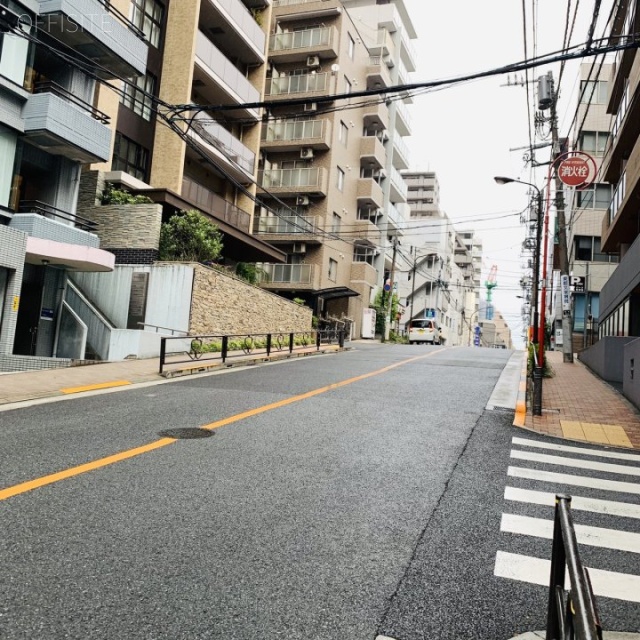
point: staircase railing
(571, 614)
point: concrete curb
(607, 635)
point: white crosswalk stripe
(531, 485)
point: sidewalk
(578, 405)
(48, 383)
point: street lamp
(537, 331)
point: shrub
(189, 236)
(121, 196)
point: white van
(423, 330)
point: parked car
(424, 330)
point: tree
(189, 237)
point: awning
(332, 293)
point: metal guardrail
(49, 211)
(65, 94)
(222, 347)
(575, 617)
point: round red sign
(575, 171)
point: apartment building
(585, 209)
(203, 53)
(328, 177)
(49, 128)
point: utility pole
(413, 281)
(387, 312)
(563, 254)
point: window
(8, 142)
(343, 134)
(138, 98)
(347, 85)
(351, 47)
(130, 157)
(147, 16)
(594, 92)
(583, 247)
(333, 269)
(597, 196)
(340, 181)
(337, 223)
(14, 49)
(594, 142)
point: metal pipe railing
(577, 617)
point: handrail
(124, 20)
(49, 211)
(65, 94)
(157, 326)
(578, 616)
(221, 347)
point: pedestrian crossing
(605, 489)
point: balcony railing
(316, 37)
(215, 205)
(309, 177)
(294, 130)
(61, 92)
(618, 197)
(308, 83)
(218, 137)
(49, 211)
(285, 224)
(270, 273)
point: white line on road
(592, 465)
(524, 442)
(578, 503)
(587, 535)
(575, 481)
(608, 584)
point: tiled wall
(12, 252)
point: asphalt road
(338, 497)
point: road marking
(93, 387)
(23, 487)
(608, 584)
(574, 481)
(592, 465)
(578, 503)
(587, 535)
(524, 442)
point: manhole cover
(186, 433)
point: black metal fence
(535, 375)
(222, 347)
(571, 614)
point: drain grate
(186, 433)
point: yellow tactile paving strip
(577, 405)
(93, 387)
(611, 434)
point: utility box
(368, 323)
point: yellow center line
(43, 481)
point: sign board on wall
(565, 292)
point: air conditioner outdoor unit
(311, 106)
(302, 201)
(306, 153)
(299, 247)
(313, 61)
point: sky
(466, 133)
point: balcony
(304, 277)
(291, 182)
(378, 75)
(403, 119)
(408, 53)
(223, 147)
(399, 188)
(297, 46)
(59, 123)
(218, 81)
(97, 30)
(291, 135)
(401, 157)
(376, 116)
(287, 228)
(215, 205)
(311, 85)
(363, 272)
(372, 153)
(369, 194)
(365, 231)
(233, 27)
(384, 45)
(307, 8)
(395, 219)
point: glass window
(343, 134)
(138, 98)
(347, 85)
(147, 16)
(340, 181)
(583, 246)
(333, 269)
(594, 142)
(8, 141)
(337, 223)
(597, 196)
(14, 50)
(130, 157)
(351, 47)
(594, 92)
